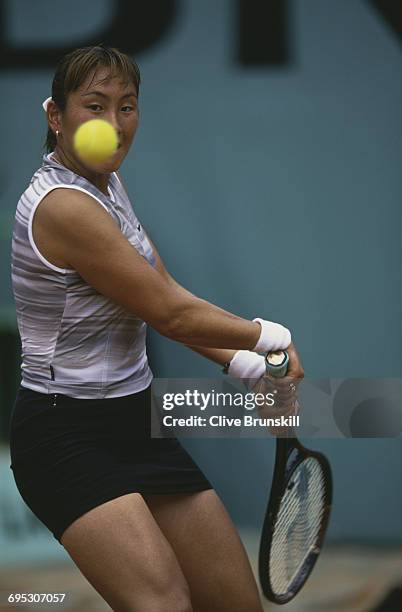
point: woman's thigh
(209, 551)
(122, 552)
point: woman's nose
(113, 119)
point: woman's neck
(101, 181)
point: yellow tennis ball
(95, 141)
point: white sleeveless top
(75, 341)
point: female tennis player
(136, 514)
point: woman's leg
(209, 550)
(122, 552)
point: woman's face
(112, 100)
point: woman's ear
(54, 116)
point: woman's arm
(218, 355)
(90, 242)
(223, 356)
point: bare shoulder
(63, 204)
(80, 232)
(73, 230)
(66, 216)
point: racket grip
(276, 363)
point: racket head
(296, 520)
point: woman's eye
(97, 108)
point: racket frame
(290, 453)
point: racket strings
(297, 526)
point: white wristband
(246, 364)
(273, 337)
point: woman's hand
(285, 390)
(286, 387)
(295, 368)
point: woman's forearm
(197, 319)
(219, 356)
(195, 322)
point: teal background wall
(270, 191)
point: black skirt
(70, 455)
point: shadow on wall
(10, 356)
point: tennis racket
(298, 510)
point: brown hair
(74, 68)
